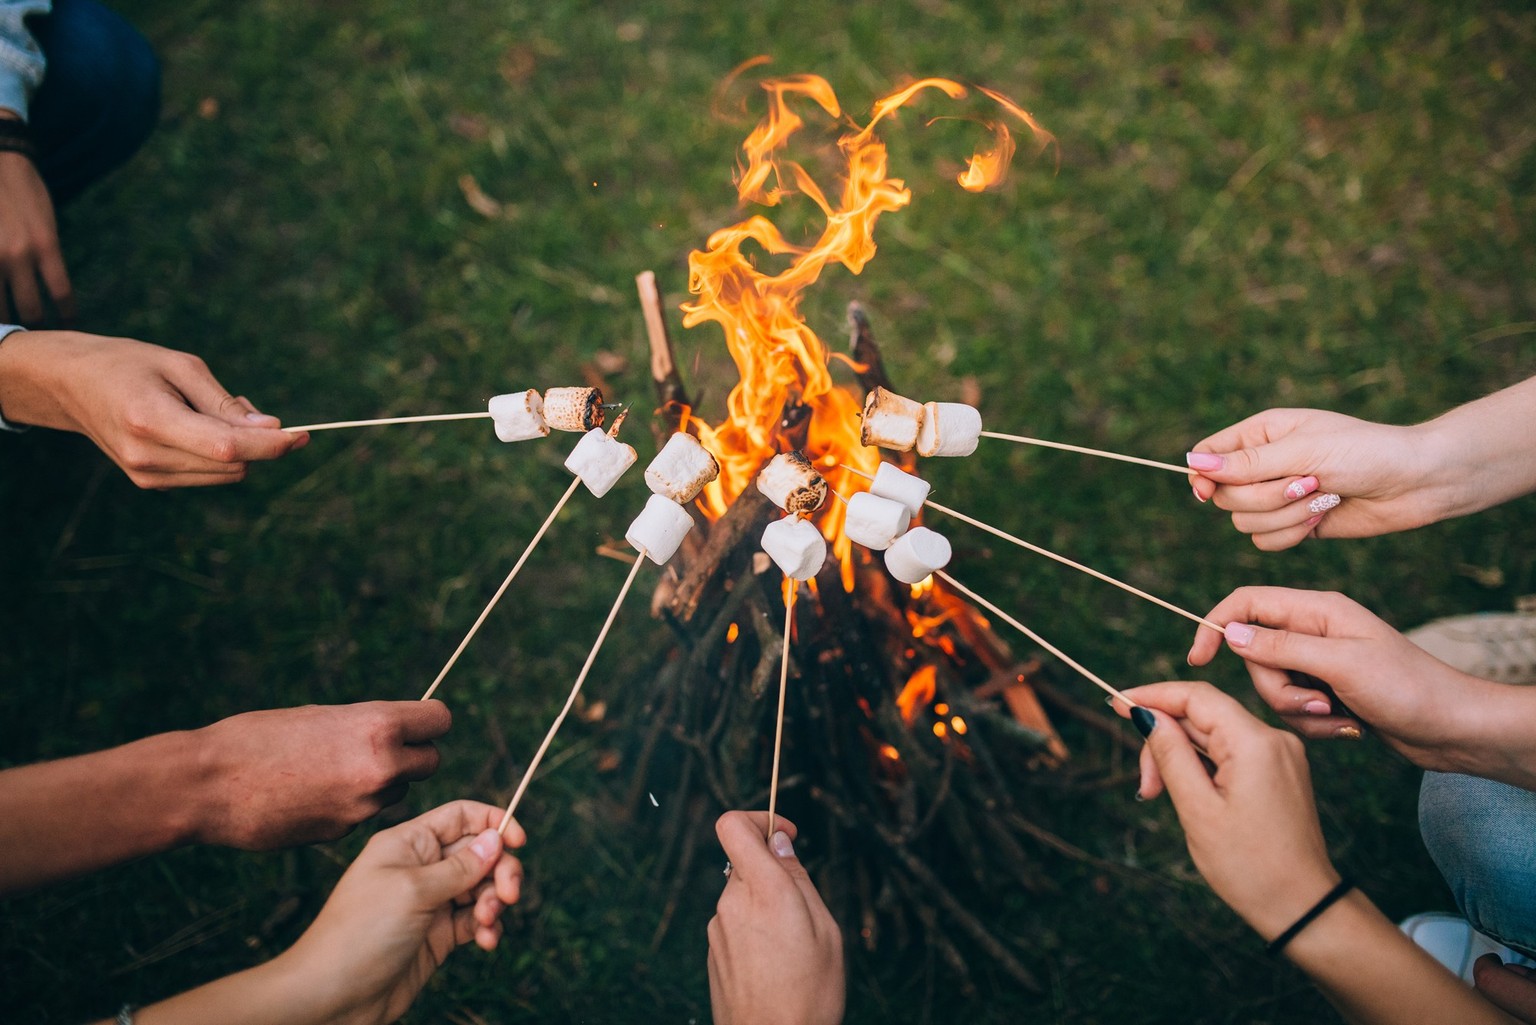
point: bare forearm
(1375, 975)
(1494, 736)
(132, 800)
(1486, 450)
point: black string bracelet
(1274, 946)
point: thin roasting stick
(389, 420)
(1047, 645)
(581, 678)
(778, 733)
(1154, 599)
(1183, 470)
(504, 585)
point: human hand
(1419, 705)
(157, 413)
(1252, 826)
(299, 775)
(1510, 987)
(775, 953)
(29, 245)
(1274, 471)
(417, 891)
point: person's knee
(1480, 835)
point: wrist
(207, 804)
(28, 394)
(1490, 734)
(1298, 892)
(1442, 480)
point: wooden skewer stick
(504, 585)
(581, 678)
(1047, 645)
(1183, 470)
(1154, 599)
(778, 733)
(389, 420)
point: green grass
(1308, 204)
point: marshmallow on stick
(796, 546)
(949, 429)
(681, 469)
(573, 409)
(891, 481)
(917, 554)
(659, 529)
(519, 416)
(890, 420)
(790, 482)
(875, 522)
(599, 460)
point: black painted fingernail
(1144, 720)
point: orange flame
(780, 359)
(920, 690)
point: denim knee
(1482, 836)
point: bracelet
(16, 137)
(6, 330)
(125, 1016)
(1274, 946)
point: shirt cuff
(6, 330)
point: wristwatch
(6, 330)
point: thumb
(784, 851)
(460, 871)
(1178, 763)
(1253, 464)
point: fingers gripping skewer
(1170, 467)
(778, 733)
(581, 678)
(388, 420)
(504, 585)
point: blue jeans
(1482, 835)
(100, 97)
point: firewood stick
(504, 585)
(1183, 470)
(389, 420)
(1138, 592)
(581, 678)
(778, 733)
(1026, 631)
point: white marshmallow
(890, 420)
(681, 469)
(573, 409)
(892, 482)
(875, 522)
(600, 461)
(796, 545)
(916, 554)
(659, 529)
(519, 416)
(949, 429)
(792, 483)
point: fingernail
(1239, 635)
(1316, 707)
(1348, 733)
(1322, 503)
(486, 844)
(1300, 488)
(781, 845)
(1198, 496)
(1139, 798)
(1315, 520)
(256, 418)
(1110, 701)
(1145, 721)
(1203, 461)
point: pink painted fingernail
(1315, 520)
(1198, 497)
(486, 844)
(1322, 503)
(1203, 461)
(1316, 707)
(1239, 635)
(781, 845)
(1300, 488)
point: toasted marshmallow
(916, 554)
(949, 429)
(792, 483)
(875, 522)
(892, 482)
(519, 416)
(796, 545)
(573, 409)
(890, 420)
(600, 460)
(681, 469)
(659, 529)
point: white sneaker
(1498, 646)
(1451, 940)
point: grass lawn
(1314, 204)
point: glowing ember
(781, 360)
(918, 692)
